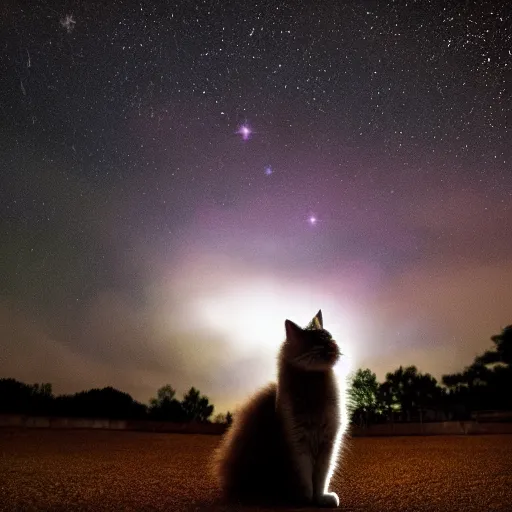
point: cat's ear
(292, 330)
(318, 321)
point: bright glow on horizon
(234, 315)
(251, 316)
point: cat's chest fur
(309, 407)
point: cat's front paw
(328, 500)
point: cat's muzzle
(333, 352)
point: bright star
(245, 131)
(268, 170)
(312, 220)
(68, 23)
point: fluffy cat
(283, 444)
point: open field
(106, 470)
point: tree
(43, 390)
(164, 407)
(502, 353)
(426, 394)
(195, 406)
(41, 400)
(362, 394)
(486, 383)
(224, 419)
(388, 400)
(220, 418)
(164, 395)
(19, 398)
(100, 403)
(410, 392)
(397, 390)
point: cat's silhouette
(283, 444)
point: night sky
(177, 179)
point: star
(68, 23)
(268, 170)
(312, 220)
(245, 131)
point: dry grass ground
(102, 470)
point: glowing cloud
(262, 305)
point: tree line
(405, 395)
(39, 400)
(409, 395)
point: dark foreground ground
(102, 470)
